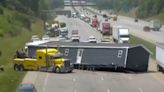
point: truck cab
(120, 34)
(46, 60)
(105, 27)
(94, 22)
(124, 36)
(63, 30)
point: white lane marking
(75, 90)
(141, 90)
(45, 83)
(108, 90)
(130, 78)
(102, 78)
(74, 79)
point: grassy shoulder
(150, 46)
(159, 17)
(10, 79)
(11, 22)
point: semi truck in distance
(94, 21)
(50, 60)
(120, 34)
(154, 25)
(63, 30)
(105, 28)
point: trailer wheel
(57, 70)
(21, 68)
(159, 68)
(16, 67)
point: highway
(88, 81)
(95, 81)
(85, 30)
(136, 28)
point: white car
(45, 37)
(92, 39)
(35, 38)
(75, 38)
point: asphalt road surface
(88, 81)
(97, 81)
(85, 30)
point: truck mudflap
(66, 69)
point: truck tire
(21, 68)
(57, 70)
(159, 68)
(157, 29)
(2, 69)
(70, 71)
(146, 28)
(16, 67)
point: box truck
(120, 34)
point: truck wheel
(2, 69)
(158, 29)
(146, 28)
(16, 67)
(70, 71)
(21, 68)
(57, 70)
(159, 68)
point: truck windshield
(106, 28)
(124, 35)
(56, 56)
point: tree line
(18, 14)
(32, 7)
(144, 8)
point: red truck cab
(94, 22)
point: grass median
(150, 46)
(10, 79)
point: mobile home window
(120, 52)
(80, 53)
(66, 52)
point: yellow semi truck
(46, 60)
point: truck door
(30, 64)
(79, 55)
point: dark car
(105, 16)
(26, 88)
(135, 20)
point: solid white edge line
(141, 90)
(74, 79)
(102, 78)
(108, 90)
